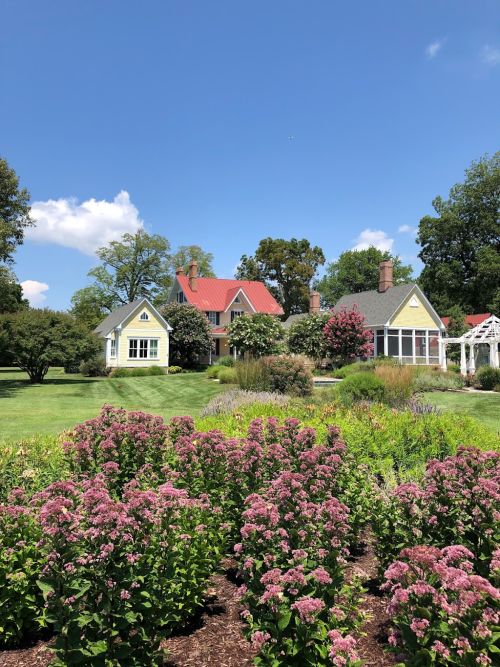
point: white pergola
(486, 332)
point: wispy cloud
(34, 291)
(432, 49)
(407, 229)
(373, 237)
(86, 226)
(490, 55)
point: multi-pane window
(380, 342)
(143, 348)
(144, 316)
(112, 348)
(393, 343)
(410, 345)
(181, 298)
(213, 317)
(235, 314)
(237, 299)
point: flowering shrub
(442, 612)
(291, 559)
(118, 442)
(122, 574)
(456, 503)
(286, 375)
(21, 602)
(346, 336)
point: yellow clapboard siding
(414, 316)
(134, 327)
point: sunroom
(408, 345)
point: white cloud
(432, 49)
(407, 229)
(373, 237)
(490, 55)
(86, 226)
(33, 290)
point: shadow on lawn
(11, 386)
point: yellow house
(134, 336)
(403, 321)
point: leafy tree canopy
(187, 253)
(14, 212)
(38, 339)
(357, 271)
(191, 335)
(306, 336)
(346, 336)
(461, 245)
(256, 334)
(286, 267)
(11, 292)
(90, 305)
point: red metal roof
(218, 293)
(471, 320)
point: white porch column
(494, 354)
(472, 361)
(386, 342)
(463, 359)
(442, 347)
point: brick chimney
(193, 276)
(179, 271)
(385, 280)
(314, 303)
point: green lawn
(484, 407)
(64, 400)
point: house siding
(414, 316)
(134, 327)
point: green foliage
(11, 292)
(487, 377)
(14, 211)
(146, 371)
(357, 271)
(188, 253)
(21, 562)
(286, 267)
(228, 360)
(94, 367)
(174, 370)
(227, 376)
(361, 387)
(460, 247)
(350, 369)
(38, 339)
(191, 335)
(305, 336)
(249, 375)
(428, 380)
(90, 305)
(256, 334)
(286, 375)
(212, 372)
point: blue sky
(187, 107)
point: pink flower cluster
(346, 335)
(432, 589)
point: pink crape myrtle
(346, 335)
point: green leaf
(284, 620)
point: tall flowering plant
(121, 442)
(21, 559)
(346, 336)
(291, 559)
(457, 502)
(443, 614)
(120, 574)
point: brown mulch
(215, 638)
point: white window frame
(212, 317)
(181, 297)
(112, 348)
(142, 339)
(236, 313)
(144, 317)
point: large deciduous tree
(11, 292)
(136, 266)
(357, 271)
(188, 253)
(190, 337)
(90, 305)
(346, 336)
(38, 339)
(14, 211)
(256, 334)
(287, 268)
(461, 245)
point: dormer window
(144, 316)
(181, 298)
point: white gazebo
(487, 332)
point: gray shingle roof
(377, 307)
(115, 317)
(291, 319)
